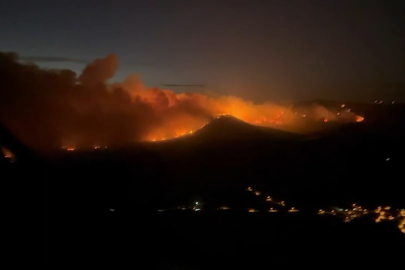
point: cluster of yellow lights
(250, 210)
(387, 214)
(382, 214)
(270, 199)
(401, 224)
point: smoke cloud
(48, 109)
(99, 71)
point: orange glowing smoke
(63, 109)
(183, 113)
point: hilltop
(227, 129)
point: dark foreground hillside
(98, 208)
(122, 240)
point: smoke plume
(48, 109)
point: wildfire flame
(359, 118)
(88, 111)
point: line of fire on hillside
(343, 114)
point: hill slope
(229, 129)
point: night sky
(260, 50)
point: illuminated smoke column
(48, 109)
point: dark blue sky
(261, 50)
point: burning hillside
(55, 108)
(227, 128)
